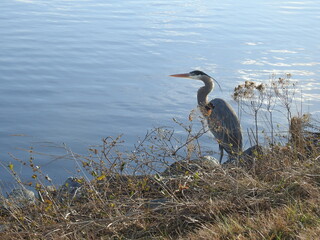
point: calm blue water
(77, 71)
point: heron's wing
(225, 126)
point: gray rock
(71, 184)
(18, 198)
(205, 163)
(253, 151)
(70, 189)
(248, 156)
(4, 227)
(210, 161)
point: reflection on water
(78, 71)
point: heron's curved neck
(204, 91)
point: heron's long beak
(182, 75)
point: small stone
(70, 188)
(19, 197)
(4, 227)
(205, 163)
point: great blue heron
(222, 119)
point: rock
(205, 163)
(4, 227)
(247, 157)
(18, 198)
(21, 196)
(210, 161)
(51, 189)
(253, 151)
(71, 184)
(70, 189)
(250, 154)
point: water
(75, 72)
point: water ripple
(76, 71)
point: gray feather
(225, 126)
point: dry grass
(279, 201)
(276, 197)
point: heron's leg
(221, 153)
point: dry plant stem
(127, 197)
(271, 102)
(190, 140)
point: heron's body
(222, 119)
(225, 126)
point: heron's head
(197, 75)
